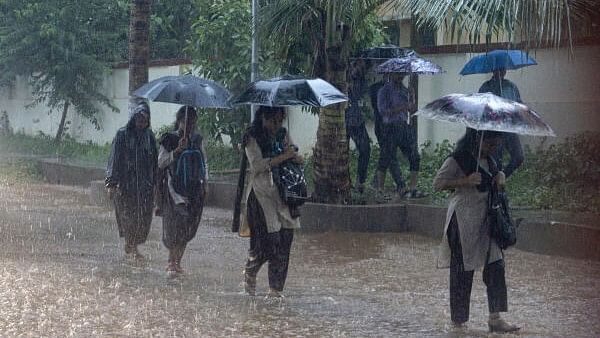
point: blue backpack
(190, 172)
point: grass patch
(44, 145)
(18, 172)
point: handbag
(291, 183)
(501, 225)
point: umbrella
(291, 91)
(497, 60)
(486, 111)
(186, 90)
(386, 52)
(411, 64)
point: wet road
(63, 274)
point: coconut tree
(139, 46)
(534, 22)
(331, 27)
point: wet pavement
(64, 274)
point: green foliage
(562, 176)
(45, 145)
(18, 172)
(171, 27)
(535, 22)
(220, 49)
(63, 48)
(565, 175)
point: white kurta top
(259, 178)
(470, 207)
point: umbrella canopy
(291, 91)
(186, 90)
(486, 111)
(386, 52)
(497, 60)
(411, 64)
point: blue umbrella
(497, 60)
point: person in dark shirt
(502, 87)
(355, 122)
(394, 166)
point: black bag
(502, 226)
(291, 183)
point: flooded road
(63, 274)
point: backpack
(190, 171)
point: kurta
(259, 178)
(470, 207)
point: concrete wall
(534, 234)
(38, 119)
(563, 88)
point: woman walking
(130, 178)
(467, 245)
(183, 186)
(265, 217)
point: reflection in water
(63, 274)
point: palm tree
(330, 26)
(139, 45)
(534, 22)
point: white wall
(563, 89)
(36, 119)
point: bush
(44, 145)
(564, 176)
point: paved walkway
(63, 274)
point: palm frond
(535, 22)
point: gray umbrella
(186, 90)
(411, 64)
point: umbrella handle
(479, 151)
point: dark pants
(359, 135)
(396, 136)
(403, 136)
(394, 165)
(461, 281)
(267, 247)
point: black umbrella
(291, 91)
(186, 90)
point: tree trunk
(61, 125)
(331, 168)
(139, 44)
